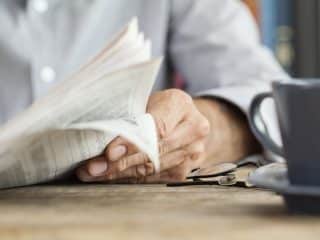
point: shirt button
(40, 6)
(47, 74)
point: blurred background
(291, 29)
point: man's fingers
(135, 167)
(116, 150)
(196, 149)
(187, 139)
(129, 161)
(138, 165)
(100, 166)
(172, 159)
(179, 172)
(138, 171)
(96, 167)
(119, 148)
(191, 152)
(139, 174)
(184, 134)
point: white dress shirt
(213, 44)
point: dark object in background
(306, 17)
(291, 29)
(276, 24)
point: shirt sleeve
(215, 46)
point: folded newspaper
(77, 119)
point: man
(213, 44)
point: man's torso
(42, 41)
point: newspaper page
(81, 115)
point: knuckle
(141, 171)
(122, 164)
(149, 168)
(178, 95)
(184, 153)
(164, 146)
(203, 127)
(195, 155)
(144, 158)
(161, 127)
(197, 151)
(185, 157)
(199, 154)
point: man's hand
(185, 141)
(182, 132)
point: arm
(215, 46)
(230, 138)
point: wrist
(219, 129)
(230, 138)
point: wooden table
(148, 212)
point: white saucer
(274, 177)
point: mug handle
(262, 135)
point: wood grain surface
(148, 212)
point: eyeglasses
(225, 174)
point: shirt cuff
(241, 97)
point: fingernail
(117, 153)
(96, 169)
